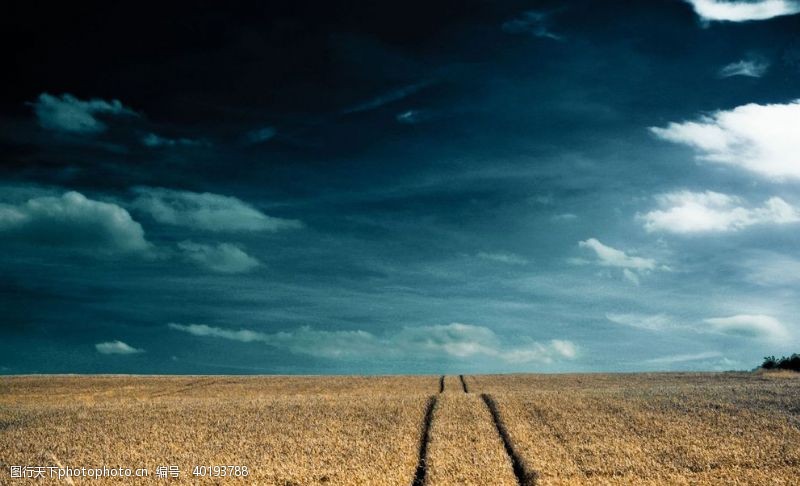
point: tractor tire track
(192, 385)
(422, 462)
(463, 383)
(525, 477)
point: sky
(399, 187)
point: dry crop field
(702, 428)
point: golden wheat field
(700, 428)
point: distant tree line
(784, 363)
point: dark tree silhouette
(784, 363)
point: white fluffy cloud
(72, 220)
(763, 139)
(611, 257)
(220, 258)
(69, 114)
(633, 267)
(457, 341)
(750, 325)
(751, 67)
(116, 347)
(743, 10)
(242, 335)
(564, 348)
(206, 211)
(650, 322)
(686, 212)
(507, 258)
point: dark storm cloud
(260, 135)
(284, 181)
(153, 140)
(531, 22)
(69, 114)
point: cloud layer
(750, 325)
(507, 258)
(770, 269)
(206, 211)
(387, 98)
(686, 212)
(763, 139)
(758, 326)
(69, 114)
(153, 140)
(73, 221)
(683, 358)
(220, 258)
(455, 341)
(751, 68)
